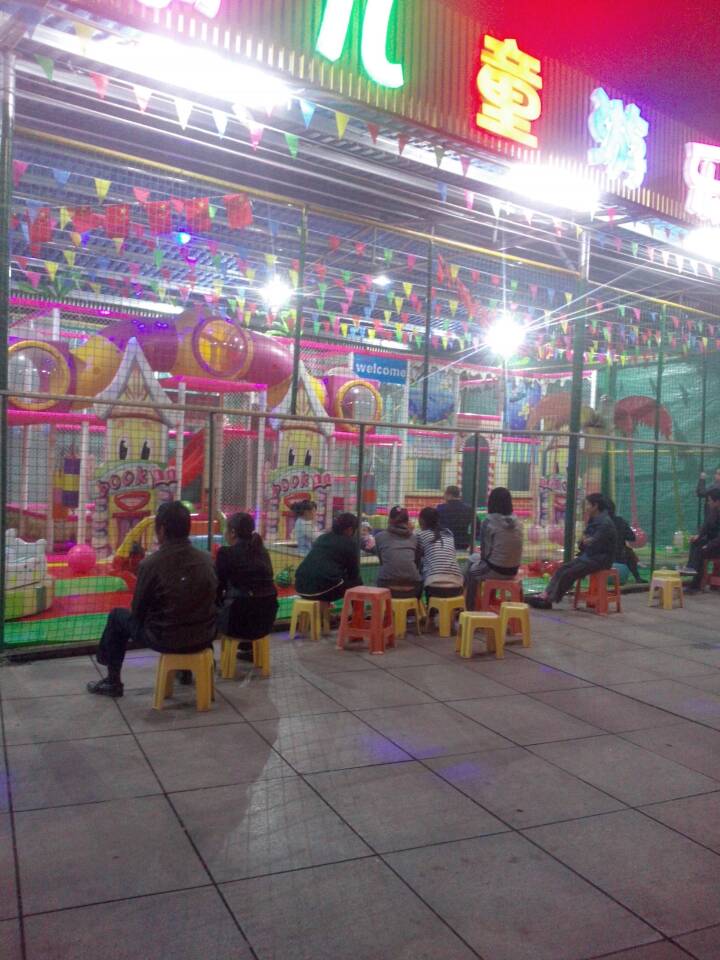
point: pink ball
(557, 534)
(640, 538)
(81, 559)
(533, 533)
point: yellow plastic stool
(308, 611)
(480, 620)
(446, 608)
(200, 664)
(228, 656)
(401, 609)
(518, 612)
(667, 582)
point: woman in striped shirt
(441, 573)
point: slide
(193, 458)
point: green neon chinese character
(373, 50)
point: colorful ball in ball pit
(556, 534)
(640, 538)
(533, 533)
(81, 559)
(189, 505)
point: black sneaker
(106, 688)
(538, 602)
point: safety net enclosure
(260, 253)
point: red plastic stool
(377, 629)
(711, 574)
(493, 593)
(599, 596)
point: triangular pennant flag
(61, 176)
(142, 96)
(495, 207)
(46, 64)
(469, 199)
(65, 217)
(465, 164)
(443, 191)
(76, 238)
(374, 131)
(52, 269)
(84, 30)
(101, 84)
(221, 121)
(407, 287)
(34, 278)
(101, 187)
(183, 108)
(402, 143)
(141, 195)
(118, 243)
(19, 167)
(256, 131)
(341, 122)
(439, 155)
(308, 111)
(69, 257)
(292, 141)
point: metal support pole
(474, 499)
(428, 326)
(656, 448)
(180, 439)
(300, 310)
(360, 469)
(703, 432)
(576, 406)
(7, 125)
(211, 481)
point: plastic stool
(400, 611)
(309, 611)
(228, 656)
(598, 596)
(377, 629)
(667, 585)
(470, 622)
(494, 593)
(516, 613)
(200, 664)
(711, 574)
(446, 608)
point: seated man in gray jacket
(597, 552)
(501, 546)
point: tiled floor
(562, 804)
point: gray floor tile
(521, 788)
(664, 950)
(678, 698)
(510, 901)
(363, 690)
(695, 817)
(258, 828)
(178, 712)
(710, 682)
(606, 709)
(667, 880)
(46, 678)
(139, 672)
(688, 743)
(450, 682)
(211, 756)
(526, 676)
(10, 940)
(704, 945)
(592, 666)
(669, 663)
(4, 795)
(374, 801)
(8, 892)
(524, 720)
(328, 742)
(432, 730)
(187, 925)
(45, 719)
(72, 856)
(290, 696)
(406, 653)
(79, 771)
(303, 916)
(321, 658)
(625, 771)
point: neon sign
(619, 132)
(375, 31)
(509, 81)
(702, 176)
(208, 8)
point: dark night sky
(665, 53)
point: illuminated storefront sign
(334, 32)
(702, 176)
(208, 8)
(509, 81)
(619, 132)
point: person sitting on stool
(333, 564)
(706, 544)
(625, 536)
(173, 607)
(597, 552)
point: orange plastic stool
(600, 593)
(377, 629)
(493, 593)
(711, 574)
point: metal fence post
(576, 405)
(656, 434)
(428, 327)
(360, 470)
(299, 311)
(474, 499)
(211, 481)
(703, 429)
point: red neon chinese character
(508, 82)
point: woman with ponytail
(246, 591)
(441, 573)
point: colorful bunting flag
(117, 220)
(197, 214)
(101, 84)
(220, 119)
(101, 187)
(52, 269)
(374, 131)
(19, 168)
(142, 96)
(308, 111)
(183, 108)
(238, 209)
(46, 65)
(293, 142)
(341, 122)
(69, 257)
(256, 131)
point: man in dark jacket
(597, 552)
(456, 516)
(333, 564)
(703, 490)
(706, 545)
(173, 608)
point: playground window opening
(428, 474)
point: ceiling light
(276, 294)
(704, 242)
(505, 337)
(553, 186)
(381, 280)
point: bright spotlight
(505, 337)
(276, 294)
(381, 280)
(553, 186)
(704, 242)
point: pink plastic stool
(377, 629)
